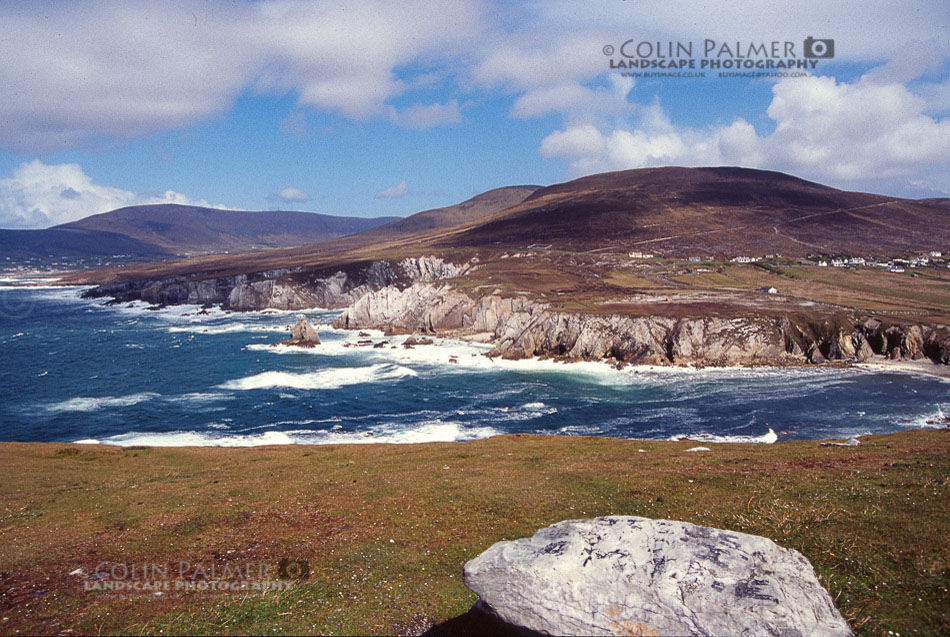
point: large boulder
(637, 576)
(302, 335)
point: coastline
(924, 367)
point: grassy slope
(387, 529)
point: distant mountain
(471, 210)
(673, 211)
(721, 211)
(163, 230)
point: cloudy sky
(366, 107)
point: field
(674, 287)
(386, 529)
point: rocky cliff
(284, 289)
(416, 295)
(520, 327)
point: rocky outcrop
(413, 295)
(302, 334)
(521, 327)
(285, 289)
(637, 576)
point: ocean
(81, 370)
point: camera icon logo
(819, 48)
(293, 569)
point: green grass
(386, 529)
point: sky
(377, 108)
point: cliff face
(283, 289)
(520, 327)
(413, 295)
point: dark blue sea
(73, 369)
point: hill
(723, 212)
(567, 246)
(471, 211)
(164, 230)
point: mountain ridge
(166, 230)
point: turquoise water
(75, 369)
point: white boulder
(638, 576)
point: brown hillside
(714, 211)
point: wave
(452, 355)
(326, 379)
(227, 328)
(937, 419)
(27, 286)
(192, 439)
(430, 431)
(96, 403)
(768, 438)
(88, 404)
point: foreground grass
(387, 528)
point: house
(822, 264)
(936, 254)
(768, 290)
(744, 259)
(636, 254)
(837, 263)
(895, 268)
(694, 259)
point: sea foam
(326, 379)
(89, 403)
(767, 438)
(429, 431)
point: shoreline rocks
(302, 334)
(638, 576)
(413, 296)
(521, 327)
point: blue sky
(376, 108)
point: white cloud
(576, 101)
(425, 116)
(524, 60)
(854, 134)
(394, 192)
(39, 195)
(74, 71)
(343, 56)
(289, 195)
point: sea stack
(302, 334)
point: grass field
(386, 529)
